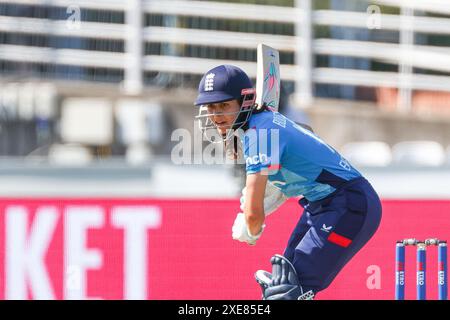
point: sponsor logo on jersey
(257, 159)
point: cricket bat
(268, 77)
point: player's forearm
(255, 220)
(254, 202)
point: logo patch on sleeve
(257, 159)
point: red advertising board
(182, 249)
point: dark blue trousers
(331, 231)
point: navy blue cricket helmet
(222, 83)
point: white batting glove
(273, 198)
(240, 230)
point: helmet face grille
(241, 118)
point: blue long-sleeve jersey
(296, 160)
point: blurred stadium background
(91, 91)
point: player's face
(223, 114)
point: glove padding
(284, 284)
(263, 278)
(273, 198)
(241, 233)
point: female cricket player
(283, 159)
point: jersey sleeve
(262, 150)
